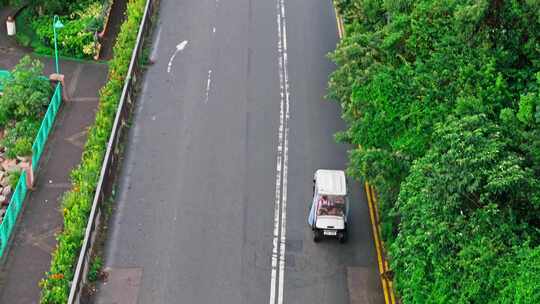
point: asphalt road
(233, 106)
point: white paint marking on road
(180, 47)
(214, 30)
(277, 202)
(208, 85)
(277, 276)
(286, 156)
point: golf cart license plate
(330, 232)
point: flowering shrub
(77, 38)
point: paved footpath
(29, 255)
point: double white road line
(280, 204)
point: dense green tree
(524, 287)
(442, 102)
(464, 206)
(406, 65)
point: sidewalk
(113, 28)
(29, 255)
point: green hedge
(77, 203)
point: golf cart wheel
(342, 236)
(317, 235)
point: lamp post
(57, 24)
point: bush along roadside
(443, 100)
(77, 203)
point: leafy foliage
(76, 39)
(95, 269)
(81, 20)
(26, 97)
(460, 208)
(59, 7)
(76, 203)
(442, 100)
(14, 178)
(26, 94)
(18, 140)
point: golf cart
(330, 205)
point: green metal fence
(4, 75)
(19, 195)
(46, 126)
(12, 212)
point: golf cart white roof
(331, 182)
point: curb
(339, 21)
(384, 270)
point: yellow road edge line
(342, 25)
(377, 244)
(338, 21)
(386, 267)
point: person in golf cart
(333, 205)
(329, 207)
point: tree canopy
(442, 100)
